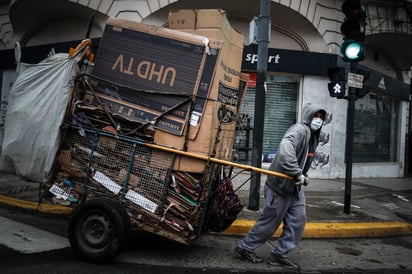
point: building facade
(305, 39)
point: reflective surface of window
(376, 129)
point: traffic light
(336, 89)
(336, 86)
(353, 30)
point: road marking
(340, 204)
(28, 239)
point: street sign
(355, 80)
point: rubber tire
(98, 230)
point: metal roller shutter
(280, 110)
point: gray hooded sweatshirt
(292, 152)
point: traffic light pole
(260, 96)
(352, 49)
(350, 128)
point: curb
(334, 229)
(242, 227)
(42, 207)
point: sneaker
(285, 262)
(247, 255)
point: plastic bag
(37, 105)
(225, 206)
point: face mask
(316, 123)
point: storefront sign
(387, 84)
(315, 63)
(291, 61)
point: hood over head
(309, 110)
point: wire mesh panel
(160, 200)
(106, 166)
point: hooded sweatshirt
(293, 151)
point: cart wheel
(98, 229)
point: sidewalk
(379, 207)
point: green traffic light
(352, 51)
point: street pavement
(378, 206)
(35, 248)
(29, 239)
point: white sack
(37, 105)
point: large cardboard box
(216, 133)
(154, 69)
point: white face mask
(316, 123)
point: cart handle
(204, 158)
(218, 161)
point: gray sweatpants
(290, 210)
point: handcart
(118, 181)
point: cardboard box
(202, 19)
(208, 135)
(154, 67)
(213, 24)
(216, 133)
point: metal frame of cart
(118, 182)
